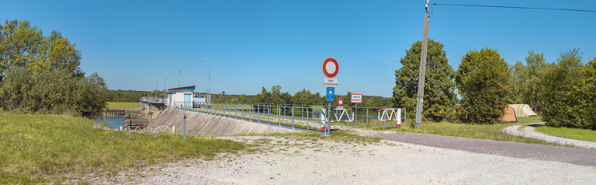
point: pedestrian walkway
(530, 132)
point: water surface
(113, 122)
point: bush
(568, 92)
(52, 92)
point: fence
(299, 117)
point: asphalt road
(579, 156)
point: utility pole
(179, 78)
(164, 87)
(156, 89)
(209, 82)
(421, 77)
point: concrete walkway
(530, 132)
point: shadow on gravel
(579, 156)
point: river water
(113, 122)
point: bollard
(184, 126)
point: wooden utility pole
(421, 77)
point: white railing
(161, 129)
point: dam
(202, 124)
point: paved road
(530, 132)
(580, 156)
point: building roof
(183, 88)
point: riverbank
(55, 148)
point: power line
(519, 7)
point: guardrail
(298, 117)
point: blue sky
(251, 44)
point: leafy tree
(303, 97)
(439, 95)
(562, 91)
(585, 92)
(22, 45)
(263, 97)
(483, 81)
(276, 95)
(526, 77)
(42, 74)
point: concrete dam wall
(202, 124)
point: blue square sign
(330, 94)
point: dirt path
(528, 130)
(292, 160)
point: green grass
(570, 133)
(53, 148)
(492, 132)
(527, 120)
(116, 105)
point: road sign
(330, 67)
(330, 82)
(340, 102)
(330, 94)
(139, 113)
(356, 98)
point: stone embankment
(204, 124)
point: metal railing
(153, 100)
(298, 117)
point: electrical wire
(518, 7)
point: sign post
(356, 98)
(330, 69)
(184, 126)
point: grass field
(115, 105)
(52, 148)
(492, 132)
(570, 133)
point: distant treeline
(304, 97)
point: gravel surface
(296, 160)
(528, 130)
(580, 156)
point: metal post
(179, 78)
(268, 113)
(209, 82)
(356, 113)
(422, 76)
(278, 116)
(328, 129)
(307, 118)
(164, 87)
(367, 115)
(184, 126)
(292, 117)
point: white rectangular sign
(330, 82)
(356, 98)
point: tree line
(41, 73)
(565, 90)
(304, 97)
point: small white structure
(181, 97)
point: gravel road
(580, 156)
(292, 160)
